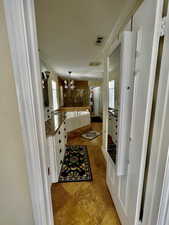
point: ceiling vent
(99, 40)
(94, 63)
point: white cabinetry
(56, 147)
(75, 122)
(57, 142)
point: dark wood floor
(86, 203)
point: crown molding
(124, 18)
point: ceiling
(67, 31)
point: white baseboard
(104, 153)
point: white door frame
(157, 192)
(21, 26)
(163, 216)
(20, 18)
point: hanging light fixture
(66, 84)
(69, 83)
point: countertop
(72, 109)
(57, 118)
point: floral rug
(76, 165)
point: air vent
(99, 40)
(94, 63)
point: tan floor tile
(86, 203)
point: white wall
(15, 203)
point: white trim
(105, 99)
(158, 152)
(113, 47)
(21, 28)
(127, 70)
(124, 17)
(163, 217)
(156, 38)
(104, 152)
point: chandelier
(69, 83)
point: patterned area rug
(76, 165)
(90, 135)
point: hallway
(86, 203)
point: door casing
(21, 28)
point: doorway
(74, 121)
(34, 112)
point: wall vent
(99, 40)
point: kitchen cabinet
(56, 148)
(57, 129)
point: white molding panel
(158, 165)
(21, 28)
(127, 70)
(127, 190)
(163, 217)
